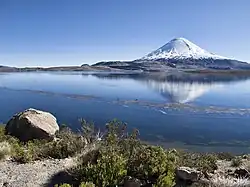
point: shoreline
(102, 68)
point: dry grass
(5, 150)
(221, 181)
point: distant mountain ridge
(179, 53)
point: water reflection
(181, 92)
(178, 88)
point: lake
(189, 111)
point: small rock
(245, 156)
(241, 173)
(32, 124)
(6, 184)
(187, 174)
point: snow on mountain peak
(181, 48)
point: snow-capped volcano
(179, 53)
(181, 48)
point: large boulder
(32, 124)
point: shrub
(23, 153)
(225, 156)
(63, 185)
(166, 180)
(122, 154)
(109, 169)
(67, 145)
(84, 184)
(149, 162)
(5, 150)
(236, 162)
(203, 162)
(2, 133)
(87, 184)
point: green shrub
(166, 180)
(225, 156)
(63, 185)
(149, 162)
(203, 162)
(109, 169)
(87, 184)
(84, 184)
(122, 154)
(67, 145)
(2, 133)
(23, 153)
(236, 162)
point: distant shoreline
(58, 68)
(85, 68)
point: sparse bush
(63, 185)
(203, 162)
(2, 133)
(84, 184)
(87, 184)
(225, 156)
(67, 145)
(23, 153)
(236, 162)
(5, 150)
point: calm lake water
(204, 113)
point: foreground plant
(83, 184)
(122, 154)
(236, 162)
(5, 150)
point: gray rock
(187, 174)
(132, 182)
(32, 124)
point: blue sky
(73, 32)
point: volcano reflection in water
(181, 92)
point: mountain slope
(181, 48)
